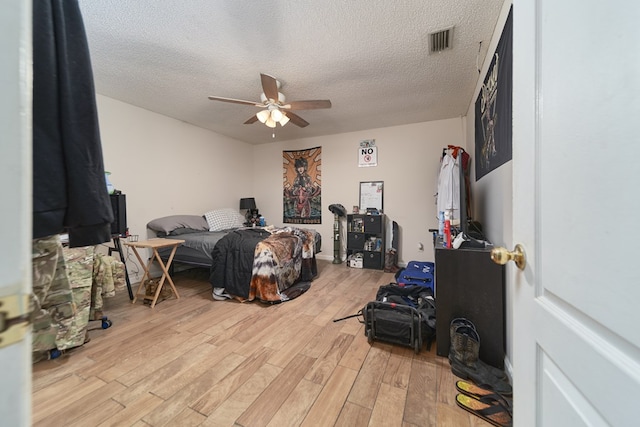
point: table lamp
(248, 203)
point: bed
(268, 264)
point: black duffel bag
(404, 315)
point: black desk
(470, 285)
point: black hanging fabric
(69, 186)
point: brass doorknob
(502, 256)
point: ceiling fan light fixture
(263, 115)
(274, 111)
(276, 115)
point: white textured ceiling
(369, 57)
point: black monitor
(119, 206)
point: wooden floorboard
(194, 361)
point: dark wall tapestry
(493, 107)
(302, 183)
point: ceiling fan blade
(269, 86)
(296, 119)
(251, 120)
(308, 105)
(235, 101)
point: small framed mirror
(371, 195)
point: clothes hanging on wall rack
(454, 150)
(448, 182)
(447, 199)
(69, 287)
(69, 186)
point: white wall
(492, 193)
(168, 167)
(408, 163)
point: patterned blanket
(280, 261)
(270, 266)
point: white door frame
(15, 213)
(576, 97)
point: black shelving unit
(366, 236)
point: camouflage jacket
(108, 276)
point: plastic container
(441, 223)
(110, 188)
(447, 233)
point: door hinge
(14, 318)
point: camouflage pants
(108, 277)
(53, 306)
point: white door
(15, 210)
(576, 208)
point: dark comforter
(255, 264)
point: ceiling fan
(275, 109)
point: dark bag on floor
(404, 315)
(419, 297)
(393, 323)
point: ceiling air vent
(440, 40)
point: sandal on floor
(493, 413)
(484, 394)
(481, 376)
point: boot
(463, 356)
(464, 346)
(390, 261)
(461, 321)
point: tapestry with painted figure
(302, 182)
(493, 138)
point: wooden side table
(155, 244)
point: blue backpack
(419, 273)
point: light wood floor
(196, 361)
